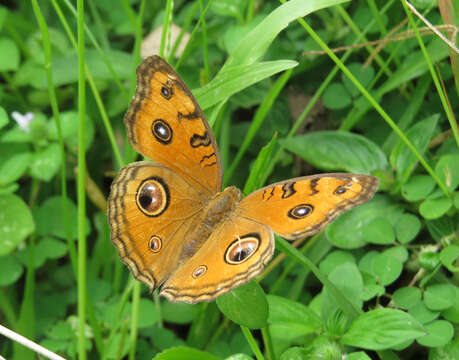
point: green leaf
(10, 270)
(336, 97)
(57, 217)
(149, 313)
(449, 257)
(337, 150)
(447, 169)
(379, 231)
(348, 280)
(46, 163)
(235, 79)
(10, 54)
(418, 187)
(360, 355)
(179, 313)
(364, 74)
(291, 319)
(183, 352)
(233, 8)
(435, 208)
(439, 333)
(255, 44)
(440, 296)
(15, 159)
(246, 305)
(387, 268)
(3, 117)
(407, 297)
(448, 352)
(422, 314)
(452, 313)
(347, 231)
(407, 228)
(382, 329)
(335, 259)
(257, 174)
(16, 223)
(401, 158)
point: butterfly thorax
(215, 212)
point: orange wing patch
(166, 124)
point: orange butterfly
(169, 219)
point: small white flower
(23, 120)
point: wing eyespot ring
(340, 190)
(155, 244)
(300, 211)
(242, 248)
(153, 196)
(199, 271)
(162, 131)
(166, 92)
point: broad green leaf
(448, 352)
(435, 208)
(245, 305)
(399, 252)
(10, 54)
(336, 97)
(364, 74)
(285, 314)
(233, 8)
(401, 158)
(16, 223)
(65, 68)
(452, 313)
(449, 257)
(407, 297)
(440, 333)
(379, 231)
(237, 78)
(10, 270)
(347, 231)
(179, 313)
(255, 44)
(348, 280)
(58, 218)
(422, 314)
(335, 259)
(257, 174)
(46, 162)
(360, 355)
(418, 187)
(440, 296)
(447, 168)
(407, 228)
(386, 268)
(337, 150)
(382, 329)
(183, 352)
(13, 165)
(3, 117)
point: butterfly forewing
(303, 206)
(166, 124)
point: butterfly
(173, 225)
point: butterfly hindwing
(235, 252)
(150, 210)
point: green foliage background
(380, 282)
